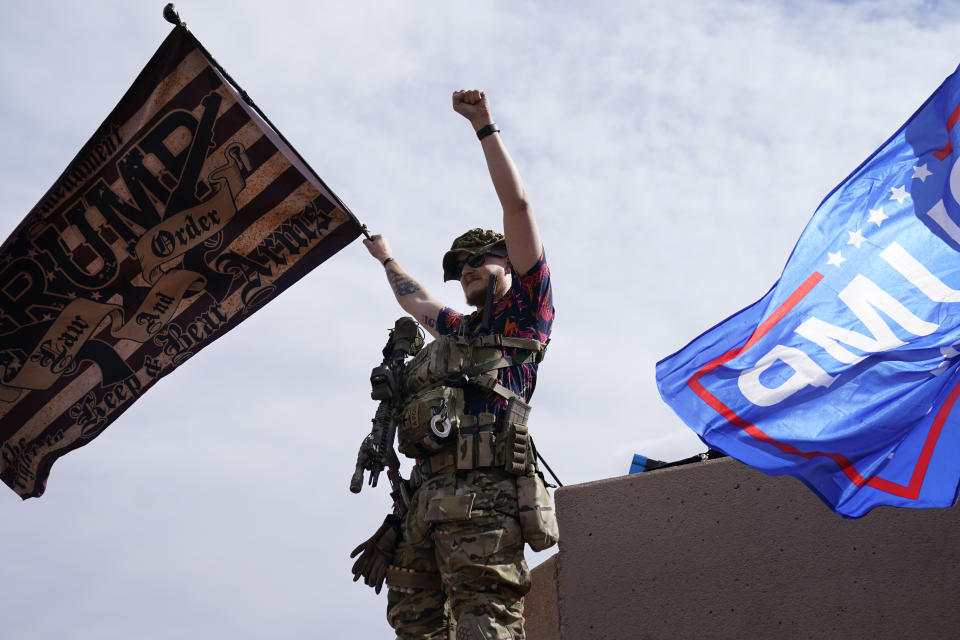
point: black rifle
(376, 451)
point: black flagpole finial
(170, 15)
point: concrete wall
(718, 550)
(540, 606)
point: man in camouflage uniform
(467, 569)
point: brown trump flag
(185, 212)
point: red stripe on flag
(764, 327)
(942, 154)
(910, 492)
(954, 117)
(948, 148)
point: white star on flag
(836, 258)
(899, 194)
(877, 216)
(921, 173)
(856, 238)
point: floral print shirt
(525, 311)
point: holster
(538, 519)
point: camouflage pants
(480, 561)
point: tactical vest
(432, 419)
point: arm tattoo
(402, 284)
(430, 322)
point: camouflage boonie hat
(475, 241)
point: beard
(478, 296)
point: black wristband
(387, 261)
(486, 130)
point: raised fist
(473, 105)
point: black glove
(376, 553)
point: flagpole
(170, 15)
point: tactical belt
(408, 580)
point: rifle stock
(376, 451)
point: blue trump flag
(845, 374)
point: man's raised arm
(519, 225)
(411, 295)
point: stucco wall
(718, 550)
(540, 605)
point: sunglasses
(475, 260)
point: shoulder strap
(492, 384)
(503, 362)
(498, 340)
(535, 352)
